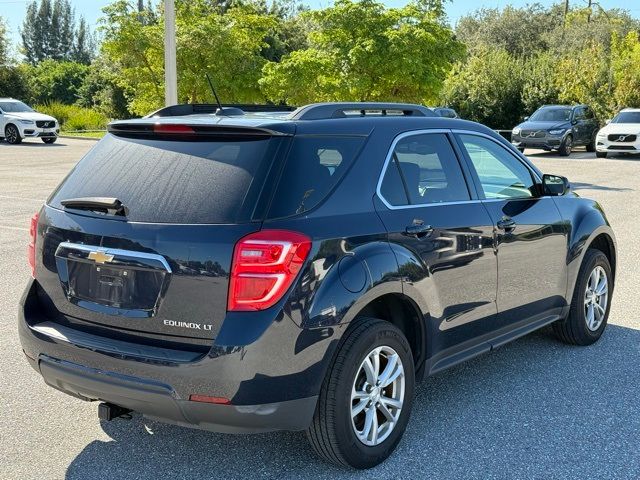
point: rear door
(530, 234)
(442, 236)
(582, 128)
(158, 266)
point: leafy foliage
(364, 51)
(236, 38)
(52, 80)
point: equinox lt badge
(191, 325)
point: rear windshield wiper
(110, 206)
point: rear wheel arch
(404, 313)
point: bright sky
(13, 11)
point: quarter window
(501, 174)
(423, 169)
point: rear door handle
(420, 230)
(507, 224)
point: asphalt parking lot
(532, 409)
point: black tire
(573, 329)
(591, 146)
(12, 134)
(521, 149)
(331, 433)
(566, 146)
(601, 154)
(49, 140)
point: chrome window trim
(401, 136)
(460, 202)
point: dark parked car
(557, 127)
(246, 273)
(445, 112)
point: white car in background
(620, 135)
(19, 121)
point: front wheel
(49, 140)
(591, 146)
(12, 135)
(521, 149)
(591, 301)
(601, 154)
(566, 146)
(366, 397)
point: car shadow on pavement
(591, 186)
(32, 144)
(532, 409)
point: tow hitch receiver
(109, 411)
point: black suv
(254, 272)
(557, 127)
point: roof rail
(204, 108)
(319, 111)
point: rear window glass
(314, 166)
(162, 181)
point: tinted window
(551, 114)
(588, 114)
(501, 174)
(314, 166)
(163, 181)
(580, 114)
(428, 170)
(627, 117)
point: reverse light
(31, 248)
(264, 266)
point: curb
(94, 139)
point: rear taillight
(31, 248)
(264, 266)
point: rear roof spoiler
(320, 111)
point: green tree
(49, 32)
(540, 81)
(360, 50)
(227, 45)
(625, 67)
(4, 43)
(52, 80)
(13, 82)
(487, 88)
(84, 45)
(518, 31)
(101, 91)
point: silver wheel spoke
(590, 315)
(386, 376)
(377, 396)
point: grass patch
(72, 117)
(99, 134)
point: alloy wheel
(596, 297)
(11, 134)
(377, 395)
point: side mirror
(526, 118)
(574, 121)
(555, 185)
(607, 121)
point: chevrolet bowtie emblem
(100, 257)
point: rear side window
(426, 167)
(163, 181)
(315, 164)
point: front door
(530, 234)
(442, 236)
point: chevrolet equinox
(249, 272)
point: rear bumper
(271, 383)
(159, 401)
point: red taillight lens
(31, 248)
(172, 128)
(264, 266)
